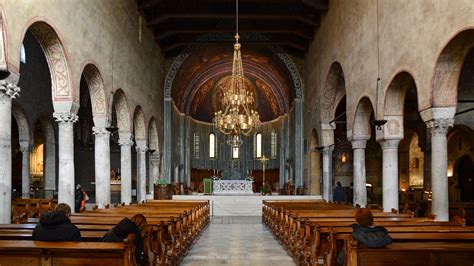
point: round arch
(335, 89)
(448, 68)
(122, 111)
(153, 141)
(98, 96)
(139, 126)
(361, 127)
(63, 93)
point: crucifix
(263, 160)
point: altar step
(240, 205)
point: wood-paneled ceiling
(177, 24)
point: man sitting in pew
(367, 234)
(56, 226)
(135, 225)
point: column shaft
(155, 172)
(102, 167)
(25, 171)
(126, 168)
(439, 167)
(390, 174)
(66, 157)
(327, 173)
(360, 190)
(141, 171)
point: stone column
(439, 167)
(66, 157)
(327, 172)
(167, 131)
(360, 191)
(8, 91)
(155, 171)
(102, 166)
(299, 127)
(141, 170)
(125, 143)
(390, 174)
(25, 169)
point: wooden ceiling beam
(169, 32)
(181, 44)
(159, 19)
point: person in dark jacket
(135, 225)
(56, 226)
(366, 234)
(339, 193)
(79, 198)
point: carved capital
(125, 142)
(8, 91)
(65, 117)
(327, 151)
(359, 144)
(439, 126)
(389, 144)
(100, 132)
(25, 146)
(141, 146)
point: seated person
(56, 226)
(136, 225)
(366, 234)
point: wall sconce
(343, 157)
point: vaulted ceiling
(177, 24)
(198, 84)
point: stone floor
(231, 240)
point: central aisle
(231, 240)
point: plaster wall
(412, 35)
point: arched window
(274, 151)
(196, 145)
(258, 145)
(212, 146)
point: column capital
(141, 146)
(65, 117)
(389, 144)
(9, 90)
(439, 126)
(25, 146)
(100, 131)
(125, 142)
(359, 143)
(328, 150)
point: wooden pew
(174, 226)
(24, 252)
(410, 253)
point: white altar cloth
(223, 187)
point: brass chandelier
(238, 116)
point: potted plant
(161, 191)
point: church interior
(286, 117)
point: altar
(227, 187)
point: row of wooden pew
(30, 208)
(173, 226)
(314, 232)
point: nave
(237, 240)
